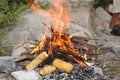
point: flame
(60, 22)
(41, 44)
(85, 57)
(78, 61)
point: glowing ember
(60, 23)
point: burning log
(47, 70)
(78, 61)
(62, 65)
(39, 59)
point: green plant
(5, 51)
(9, 10)
(45, 5)
(102, 3)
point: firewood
(39, 59)
(67, 52)
(62, 65)
(80, 61)
(24, 57)
(47, 70)
(81, 38)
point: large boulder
(30, 28)
(103, 14)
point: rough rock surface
(31, 24)
(81, 13)
(7, 64)
(31, 28)
(6, 76)
(103, 14)
(18, 51)
(109, 61)
(26, 75)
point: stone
(83, 14)
(6, 76)
(28, 28)
(18, 51)
(26, 75)
(30, 25)
(103, 14)
(7, 64)
(77, 30)
(116, 50)
(98, 70)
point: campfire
(59, 49)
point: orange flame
(41, 44)
(60, 23)
(78, 61)
(85, 57)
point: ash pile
(78, 73)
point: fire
(60, 23)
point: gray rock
(116, 78)
(7, 64)
(18, 51)
(116, 50)
(26, 75)
(98, 70)
(6, 76)
(103, 14)
(79, 31)
(100, 27)
(29, 27)
(83, 14)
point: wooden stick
(67, 53)
(47, 70)
(24, 57)
(82, 38)
(62, 65)
(39, 59)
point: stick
(67, 52)
(82, 38)
(78, 60)
(24, 57)
(39, 59)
